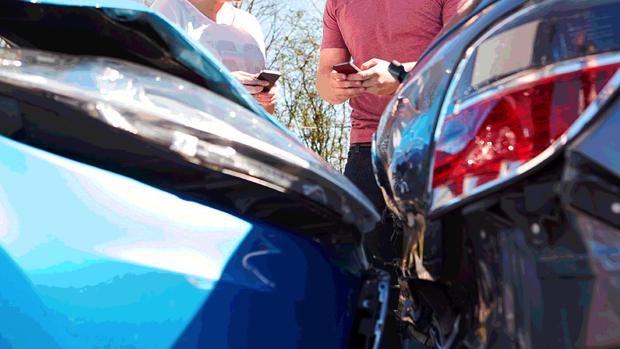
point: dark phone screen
(346, 68)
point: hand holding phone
(271, 76)
(341, 88)
(346, 68)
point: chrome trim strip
(536, 74)
(512, 82)
(383, 286)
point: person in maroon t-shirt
(373, 33)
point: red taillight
(505, 130)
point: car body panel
(90, 258)
(600, 143)
(593, 191)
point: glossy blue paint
(304, 301)
(100, 259)
(89, 258)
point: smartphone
(346, 68)
(271, 76)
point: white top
(236, 39)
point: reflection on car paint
(72, 233)
(92, 258)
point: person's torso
(236, 46)
(389, 30)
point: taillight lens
(500, 132)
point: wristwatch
(397, 70)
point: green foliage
(293, 38)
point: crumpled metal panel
(404, 138)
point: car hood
(230, 153)
(178, 136)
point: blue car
(146, 200)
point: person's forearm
(409, 66)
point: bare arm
(409, 65)
(332, 86)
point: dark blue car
(146, 201)
(500, 154)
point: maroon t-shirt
(384, 29)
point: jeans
(378, 242)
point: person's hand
(250, 82)
(376, 78)
(344, 89)
(269, 99)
